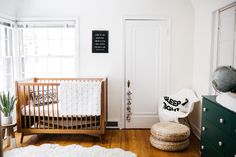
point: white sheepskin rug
(55, 150)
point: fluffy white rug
(55, 150)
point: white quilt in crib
(80, 98)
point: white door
(147, 62)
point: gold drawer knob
(204, 109)
(221, 120)
(220, 143)
(203, 128)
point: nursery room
(117, 78)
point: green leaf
(7, 103)
(1, 102)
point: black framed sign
(100, 41)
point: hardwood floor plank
(136, 141)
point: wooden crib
(44, 119)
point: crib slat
(95, 120)
(43, 107)
(67, 122)
(52, 107)
(24, 106)
(48, 104)
(39, 115)
(90, 122)
(81, 122)
(57, 110)
(62, 119)
(29, 107)
(86, 122)
(34, 106)
(76, 122)
(71, 122)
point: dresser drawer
(216, 137)
(216, 114)
(233, 149)
(233, 128)
(208, 151)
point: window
(47, 48)
(6, 56)
(226, 38)
(223, 39)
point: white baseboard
(196, 131)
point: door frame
(167, 54)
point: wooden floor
(136, 141)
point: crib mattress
(49, 110)
(46, 110)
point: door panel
(145, 42)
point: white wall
(107, 14)
(8, 8)
(202, 49)
(187, 69)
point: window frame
(44, 20)
(215, 42)
(10, 47)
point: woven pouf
(169, 146)
(169, 136)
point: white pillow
(174, 104)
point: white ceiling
(10, 6)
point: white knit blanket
(54, 150)
(80, 98)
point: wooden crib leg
(101, 139)
(22, 137)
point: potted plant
(7, 103)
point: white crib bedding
(80, 98)
(52, 110)
(75, 99)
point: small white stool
(11, 140)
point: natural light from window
(6, 57)
(47, 50)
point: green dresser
(218, 129)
